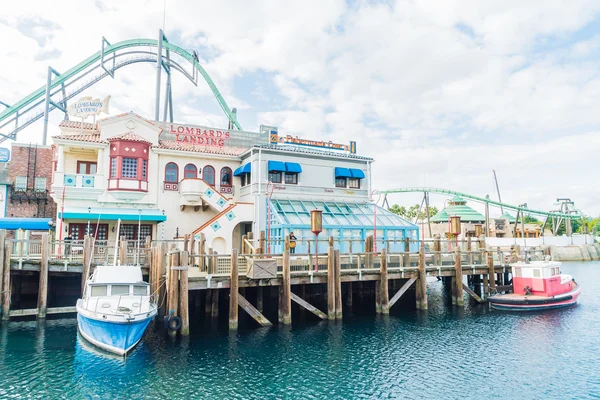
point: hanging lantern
(478, 230)
(316, 221)
(455, 225)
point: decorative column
(60, 160)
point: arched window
(190, 171)
(208, 173)
(226, 176)
(171, 172)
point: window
(129, 168)
(209, 175)
(354, 183)
(171, 172)
(113, 167)
(340, 182)
(291, 179)
(536, 273)
(275, 177)
(40, 183)
(225, 176)
(139, 290)
(119, 290)
(130, 231)
(21, 183)
(86, 167)
(99, 290)
(144, 169)
(190, 171)
(518, 272)
(246, 179)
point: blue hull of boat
(115, 337)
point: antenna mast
(498, 190)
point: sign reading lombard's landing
(199, 135)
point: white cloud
(439, 92)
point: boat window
(518, 272)
(120, 289)
(140, 290)
(536, 273)
(99, 290)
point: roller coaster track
(480, 200)
(62, 88)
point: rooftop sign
(274, 138)
(86, 106)
(212, 137)
(4, 154)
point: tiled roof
(77, 125)
(129, 136)
(175, 145)
(90, 137)
(307, 150)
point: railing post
(43, 286)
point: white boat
(116, 308)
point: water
(443, 354)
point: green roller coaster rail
(478, 199)
(112, 49)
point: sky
(439, 92)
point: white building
(165, 180)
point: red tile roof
(130, 137)
(77, 125)
(175, 145)
(90, 137)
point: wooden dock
(180, 269)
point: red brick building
(29, 179)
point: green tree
(413, 211)
(528, 219)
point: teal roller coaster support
(60, 89)
(478, 199)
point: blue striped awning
(112, 214)
(342, 172)
(28, 224)
(276, 166)
(357, 173)
(293, 168)
(244, 169)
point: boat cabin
(119, 289)
(540, 278)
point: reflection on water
(445, 352)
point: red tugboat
(538, 285)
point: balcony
(78, 185)
(190, 192)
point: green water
(445, 353)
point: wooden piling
(437, 249)
(214, 312)
(43, 286)
(369, 251)
(161, 272)
(148, 251)
(87, 261)
(259, 298)
(233, 291)
(491, 273)
(173, 290)
(469, 254)
(186, 239)
(184, 312)
(338, 285)
(384, 298)
(331, 281)
(406, 258)
(421, 292)
(486, 289)
(349, 295)
(286, 289)
(460, 301)
(261, 243)
(202, 252)
(208, 302)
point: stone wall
(584, 252)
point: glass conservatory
(346, 222)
